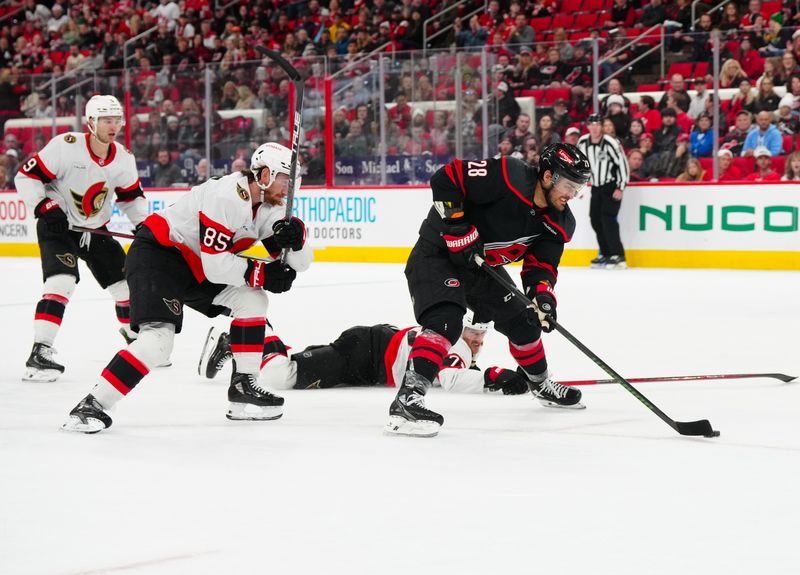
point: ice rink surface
(507, 487)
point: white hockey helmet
(273, 157)
(101, 107)
(469, 322)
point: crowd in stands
(536, 48)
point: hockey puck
(713, 434)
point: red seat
(594, 5)
(746, 166)
(648, 88)
(707, 164)
(788, 142)
(779, 164)
(769, 8)
(571, 6)
(725, 105)
(552, 94)
(537, 95)
(541, 24)
(563, 21)
(700, 70)
(585, 21)
(682, 68)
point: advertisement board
(714, 226)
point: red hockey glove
(464, 244)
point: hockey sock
(529, 356)
(120, 376)
(247, 343)
(123, 309)
(428, 353)
(273, 347)
(49, 314)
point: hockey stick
(701, 427)
(781, 376)
(297, 80)
(131, 236)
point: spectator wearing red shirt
(648, 114)
(764, 171)
(727, 171)
(753, 12)
(401, 113)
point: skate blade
(400, 426)
(598, 266)
(250, 412)
(167, 363)
(548, 403)
(211, 341)
(619, 266)
(41, 375)
(75, 425)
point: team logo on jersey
(70, 139)
(452, 282)
(173, 305)
(244, 194)
(91, 202)
(68, 260)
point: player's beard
(548, 197)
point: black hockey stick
(702, 427)
(297, 80)
(781, 376)
(102, 232)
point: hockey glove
(544, 304)
(505, 380)
(278, 277)
(54, 218)
(290, 233)
(463, 243)
(254, 274)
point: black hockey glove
(544, 304)
(278, 277)
(290, 233)
(54, 218)
(505, 380)
(464, 243)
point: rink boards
(737, 226)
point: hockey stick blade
(102, 232)
(779, 376)
(702, 427)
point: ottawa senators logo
(244, 194)
(68, 260)
(70, 139)
(173, 305)
(91, 202)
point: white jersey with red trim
(216, 220)
(455, 374)
(83, 184)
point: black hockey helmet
(565, 161)
(594, 119)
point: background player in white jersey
(73, 182)
(366, 355)
(186, 254)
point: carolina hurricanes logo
(173, 305)
(67, 259)
(504, 255)
(452, 282)
(91, 202)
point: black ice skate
(408, 414)
(41, 366)
(216, 352)
(248, 401)
(87, 417)
(551, 393)
(616, 263)
(599, 262)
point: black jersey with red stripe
(497, 198)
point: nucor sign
(735, 218)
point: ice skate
(216, 352)
(87, 417)
(550, 393)
(616, 263)
(248, 401)
(41, 366)
(130, 336)
(408, 414)
(599, 262)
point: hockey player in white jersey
(187, 254)
(366, 355)
(73, 181)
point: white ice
(507, 487)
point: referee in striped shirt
(609, 177)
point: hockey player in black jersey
(503, 210)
